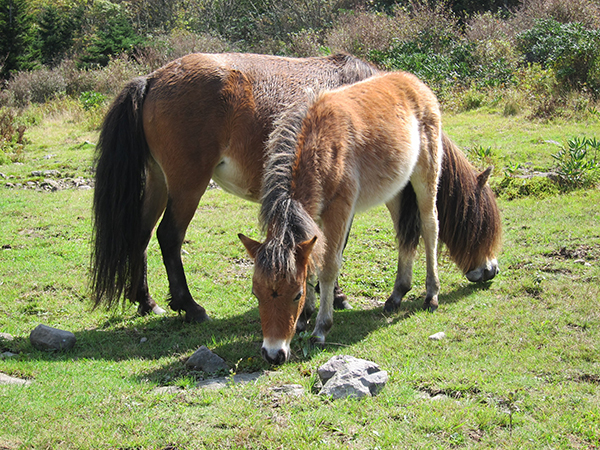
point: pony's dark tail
(121, 156)
(468, 215)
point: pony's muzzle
(275, 351)
(485, 273)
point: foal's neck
(306, 185)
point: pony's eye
(298, 297)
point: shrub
(582, 11)
(36, 86)
(570, 49)
(11, 137)
(359, 33)
(578, 164)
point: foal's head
(280, 295)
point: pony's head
(469, 217)
(280, 295)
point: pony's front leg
(309, 304)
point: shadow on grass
(237, 338)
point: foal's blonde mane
(283, 218)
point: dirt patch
(587, 252)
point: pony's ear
(483, 177)
(304, 250)
(250, 244)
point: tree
(15, 36)
(55, 33)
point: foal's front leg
(336, 225)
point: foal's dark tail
(121, 156)
(469, 219)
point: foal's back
(371, 135)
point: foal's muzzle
(279, 357)
(275, 351)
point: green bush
(571, 50)
(578, 164)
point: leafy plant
(91, 100)
(578, 165)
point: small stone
(36, 173)
(207, 361)
(7, 355)
(6, 379)
(142, 340)
(437, 336)
(44, 337)
(222, 382)
(166, 389)
(84, 188)
(6, 336)
(295, 390)
(51, 184)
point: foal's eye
(298, 297)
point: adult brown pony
(205, 116)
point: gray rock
(44, 337)
(221, 382)
(327, 370)
(207, 361)
(6, 337)
(166, 389)
(7, 355)
(50, 184)
(6, 379)
(295, 390)
(352, 377)
(437, 336)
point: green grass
(519, 368)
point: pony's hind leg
(155, 200)
(406, 219)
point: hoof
(431, 304)
(194, 313)
(317, 341)
(391, 306)
(340, 301)
(197, 317)
(146, 308)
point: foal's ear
(250, 244)
(304, 250)
(483, 177)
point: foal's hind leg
(424, 181)
(406, 219)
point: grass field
(519, 368)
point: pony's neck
(305, 187)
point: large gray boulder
(44, 337)
(346, 376)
